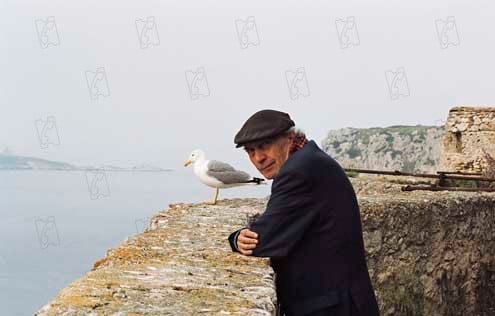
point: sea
(55, 224)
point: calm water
(55, 224)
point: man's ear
(291, 144)
(291, 137)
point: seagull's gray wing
(226, 173)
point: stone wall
(182, 265)
(469, 139)
(429, 253)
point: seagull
(217, 174)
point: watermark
(197, 83)
(440, 122)
(47, 232)
(447, 32)
(247, 32)
(397, 83)
(147, 32)
(97, 183)
(97, 83)
(47, 32)
(297, 83)
(347, 32)
(142, 224)
(47, 132)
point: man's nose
(259, 156)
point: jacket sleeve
(287, 217)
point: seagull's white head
(196, 155)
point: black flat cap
(263, 124)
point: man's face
(269, 156)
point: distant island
(14, 162)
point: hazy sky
(124, 82)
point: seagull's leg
(216, 195)
(214, 199)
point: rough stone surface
(182, 265)
(469, 140)
(429, 253)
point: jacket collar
(310, 145)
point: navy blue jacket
(311, 230)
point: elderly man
(311, 228)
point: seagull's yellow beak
(187, 163)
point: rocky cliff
(404, 148)
(429, 253)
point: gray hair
(294, 129)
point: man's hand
(246, 241)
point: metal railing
(441, 176)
